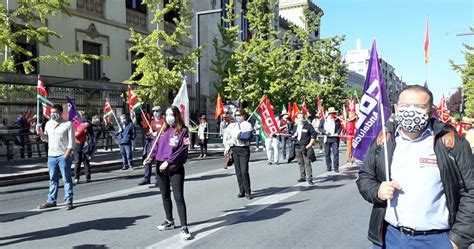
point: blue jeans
(395, 239)
(56, 164)
(127, 158)
(257, 141)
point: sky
(399, 29)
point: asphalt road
(113, 212)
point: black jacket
(456, 165)
(307, 134)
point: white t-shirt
(60, 137)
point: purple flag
(373, 101)
(73, 116)
(426, 84)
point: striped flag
(266, 118)
(304, 109)
(42, 96)
(107, 111)
(134, 104)
(427, 44)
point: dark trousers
(148, 171)
(25, 139)
(173, 177)
(126, 152)
(79, 158)
(284, 141)
(306, 171)
(241, 156)
(396, 239)
(203, 146)
(332, 144)
(147, 167)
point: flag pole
(37, 103)
(387, 172)
(153, 146)
(148, 123)
(255, 109)
(116, 120)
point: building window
(92, 71)
(171, 15)
(246, 35)
(20, 57)
(136, 5)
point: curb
(40, 176)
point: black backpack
(90, 144)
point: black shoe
(240, 195)
(276, 164)
(269, 163)
(301, 180)
(144, 182)
(249, 196)
(156, 184)
(166, 225)
(336, 170)
(328, 169)
(310, 182)
(88, 180)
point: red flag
(294, 111)
(320, 108)
(133, 103)
(443, 111)
(219, 107)
(289, 109)
(42, 96)
(266, 117)
(351, 105)
(144, 122)
(427, 44)
(304, 108)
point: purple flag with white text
(373, 101)
(73, 116)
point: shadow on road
(89, 246)
(106, 224)
(246, 214)
(207, 177)
(21, 215)
(118, 198)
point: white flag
(182, 102)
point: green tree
(28, 22)
(467, 77)
(224, 47)
(260, 64)
(161, 73)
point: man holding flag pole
(417, 172)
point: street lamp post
(198, 67)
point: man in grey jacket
(431, 186)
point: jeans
(306, 171)
(332, 144)
(286, 143)
(80, 157)
(56, 164)
(126, 151)
(173, 177)
(257, 141)
(203, 146)
(395, 239)
(241, 156)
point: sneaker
(336, 170)
(69, 206)
(269, 163)
(200, 156)
(249, 196)
(88, 180)
(167, 225)
(301, 180)
(47, 205)
(144, 182)
(310, 182)
(256, 149)
(204, 156)
(321, 151)
(240, 195)
(185, 233)
(76, 181)
(276, 163)
(124, 168)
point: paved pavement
(113, 212)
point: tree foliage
(286, 67)
(454, 101)
(467, 77)
(28, 22)
(159, 73)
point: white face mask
(412, 118)
(170, 120)
(55, 116)
(156, 115)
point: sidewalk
(35, 169)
